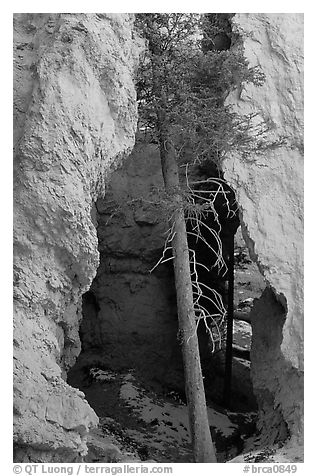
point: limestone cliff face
(269, 189)
(75, 118)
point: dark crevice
(130, 316)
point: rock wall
(75, 118)
(269, 189)
(130, 314)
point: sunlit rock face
(75, 118)
(269, 188)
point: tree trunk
(202, 444)
(229, 340)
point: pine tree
(181, 92)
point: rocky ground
(137, 424)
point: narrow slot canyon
(131, 130)
(130, 366)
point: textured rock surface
(75, 118)
(130, 314)
(269, 189)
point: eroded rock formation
(269, 189)
(75, 118)
(130, 315)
